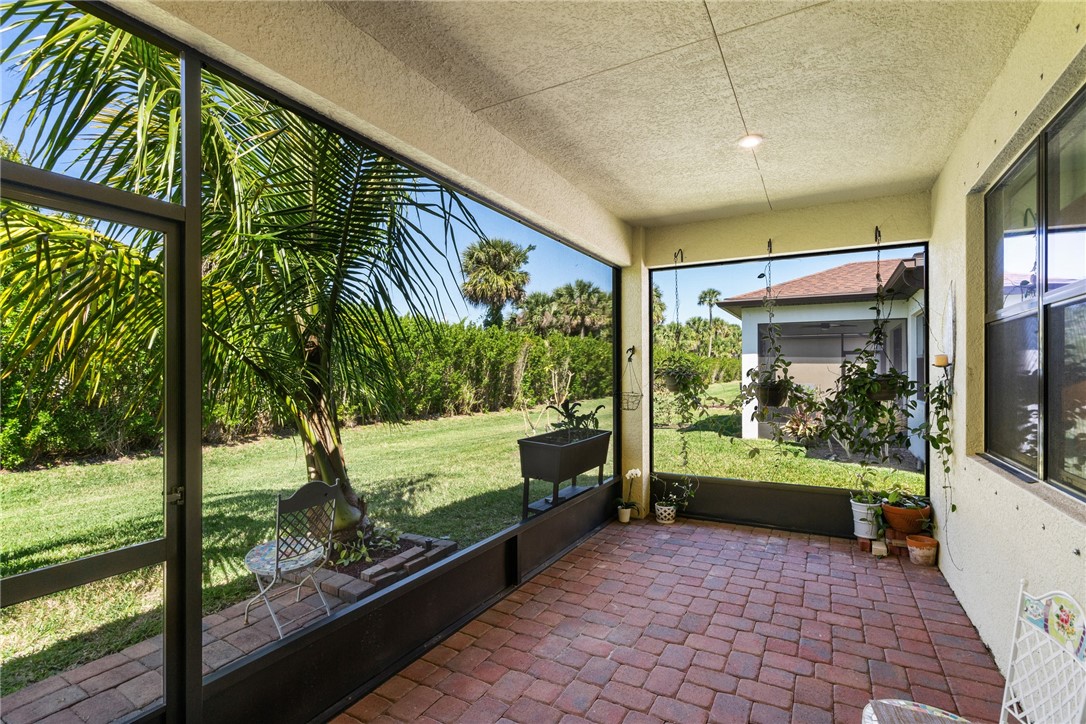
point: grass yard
(451, 477)
(727, 455)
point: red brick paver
(703, 622)
(121, 685)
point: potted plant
(867, 410)
(574, 446)
(769, 384)
(626, 504)
(685, 374)
(923, 549)
(866, 503)
(906, 513)
(682, 374)
(676, 495)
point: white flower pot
(665, 513)
(624, 515)
(863, 519)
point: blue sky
(740, 277)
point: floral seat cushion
(261, 559)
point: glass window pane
(1067, 394)
(1012, 394)
(1012, 237)
(1066, 260)
(82, 381)
(84, 98)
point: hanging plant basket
(672, 383)
(771, 394)
(883, 388)
(631, 400)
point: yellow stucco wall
(1003, 530)
(818, 228)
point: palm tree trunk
(710, 330)
(324, 461)
(320, 437)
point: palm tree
(493, 275)
(659, 308)
(308, 237)
(709, 298)
(539, 313)
(582, 307)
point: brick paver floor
(121, 685)
(702, 622)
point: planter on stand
(562, 455)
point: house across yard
(824, 319)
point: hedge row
(448, 369)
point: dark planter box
(563, 454)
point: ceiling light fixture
(751, 140)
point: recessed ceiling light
(751, 140)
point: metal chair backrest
(1046, 679)
(304, 520)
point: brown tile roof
(854, 279)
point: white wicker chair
(303, 540)
(1046, 678)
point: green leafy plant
(351, 551)
(770, 383)
(937, 430)
(574, 420)
(868, 409)
(678, 491)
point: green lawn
(451, 477)
(728, 456)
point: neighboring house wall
(804, 371)
(816, 361)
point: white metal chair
(1046, 678)
(303, 540)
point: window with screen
(1035, 416)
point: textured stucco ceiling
(634, 103)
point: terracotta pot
(624, 515)
(923, 550)
(905, 520)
